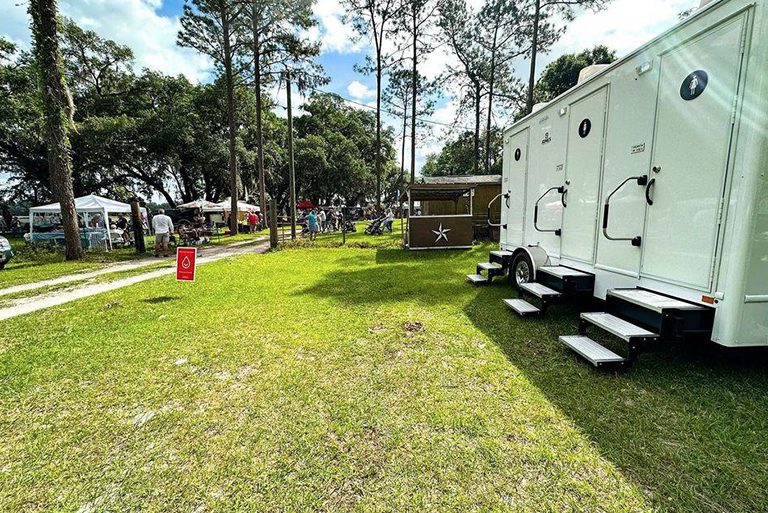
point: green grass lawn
(32, 266)
(360, 380)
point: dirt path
(32, 304)
(114, 268)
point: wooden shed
(484, 189)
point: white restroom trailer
(651, 178)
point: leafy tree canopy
(563, 73)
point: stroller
(376, 227)
(348, 226)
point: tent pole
(106, 225)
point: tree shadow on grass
(688, 424)
(393, 276)
(382, 284)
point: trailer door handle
(490, 205)
(641, 181)
(562, 198)
(648, 198)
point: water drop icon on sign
(186, 263)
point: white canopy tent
(203, 204)
(90, 204)
(226, 205)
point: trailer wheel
(522, 270)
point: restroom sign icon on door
(186, 264)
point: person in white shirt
(163, 227)
(390, 217)
(321, 220)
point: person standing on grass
(252, 221)
(321, 220)
(312, 225)
(390, 217)
(163, 227)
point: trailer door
(513, 207)
(697, 92)
(583, 168)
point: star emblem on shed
(442, 233)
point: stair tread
(591, 350)
(617, 326)
(501, 253)
(477, 278)
(539, 290)
(560, 271)
(521, 306)
(488, 265)
(652, 301)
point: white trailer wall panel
(689, 111)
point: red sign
(186, 262)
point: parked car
(6, 253)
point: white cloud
(14, 23)
(135, 23)
(333, 33)
(279, 93)
(360, 91)
(623, 26)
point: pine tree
(213, 28)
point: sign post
(186, 264)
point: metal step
(539, 290)
(477, 279)
(501, 253)
(618, 327)
(522, 307)
(561, 272)
(652, 301)
(593, 352)
(489, 266)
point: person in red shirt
(253, 220)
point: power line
(391, 113)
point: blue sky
(149, 27)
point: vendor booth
(93, 213)
(443, 231)
(220, 211)
(202, 204)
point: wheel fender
(537, 255)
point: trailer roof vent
(537, 107)
(589, 71)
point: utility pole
(291, 168)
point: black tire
(521, 270)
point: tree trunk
(478, 98)
(259, 124)
(291, 168)
(57, 108)
(378, 128)
(534, 51)
(402, 151)
(492, 81)
(233, 226)
(414, 98)
(487, 163)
